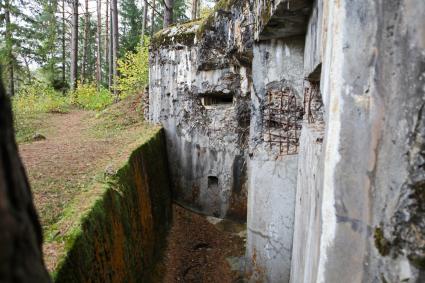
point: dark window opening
(217, 100)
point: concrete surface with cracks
(345, 201)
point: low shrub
(38, 97)
(134, 70)
(88, 97)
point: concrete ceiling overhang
(282, 18)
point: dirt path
(61, 164)
(199, 251)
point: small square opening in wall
(212, 183)
(217, 100)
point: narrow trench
(202, 249)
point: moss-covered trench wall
(122, 236)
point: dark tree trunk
(195, 4)
(85, 42)
(21, 257)
(168, 12)
(153, 18)
(74, 45)
(107, 49)
(99, 43)
(145, 19)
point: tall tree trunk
(168, 12)
(111, 59)
(63, 48)
(114, 16)
(153, 17)
(85, 41)
(74, 45)
(195, 4)
(9, 48)
(21, 258)
(99, 42)
(145, 19)
(107, 42)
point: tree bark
(21, 257)
(85, 41)
(168, 12)
(63, 48)
(114, 16)
(74, 45)
(145, 20)
(106, 53)
(153, 17)
(27, 65)
(9, 48)
(99, 42)
(195, 4)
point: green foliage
(134, 70)
(132, 19)
(206, 11)
(29, 106)
(39, 98)
(179, 11)
(88, 97)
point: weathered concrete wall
(307, 228)
(373, 78)
(275, 127)
(308, 217)
(308, 209)
(336, 133)
(372, 82)
(121, 237)
(199, 91)
(280, 18)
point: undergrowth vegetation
(134, 70)
(34, 100)
(88, 97)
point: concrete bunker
(312, 82)
(265, 122)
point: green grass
(32, 105)
(27, 124)
(64, 186)
(117, 117)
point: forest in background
(89, 53)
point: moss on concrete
(120, 237)
(382, 244)
(208, 22)
(183, 33)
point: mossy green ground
(69, 170)
(121, 224)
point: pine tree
(131, 25)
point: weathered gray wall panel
(277, 71)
